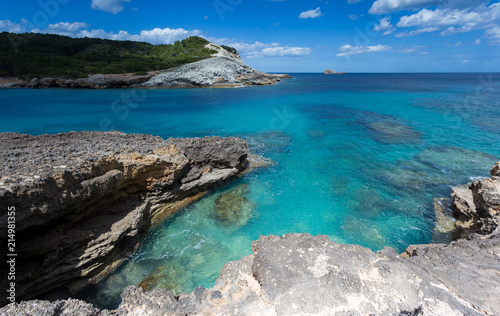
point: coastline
(83, 206)
(215, 72)
(425, 276)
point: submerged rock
(366, 233)
(435, 165)
(445, 222)
(455, 159)
(367, 202)
(167, 276)
(234, 208)
(340, 185)
(272, 141)
(258, 162)
(394, 132)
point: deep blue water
(358, 157)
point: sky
(290, 35)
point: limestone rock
(84, 200)
(495, 171)
(300, 274)
(212, 72)
(486, 196)
(332, 72)
(69, 307)
(478, 206)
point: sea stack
(333, 72)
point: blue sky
(291, 35)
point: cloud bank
(111, 6)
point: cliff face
(477, 205)
(84, 200)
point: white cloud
(111, 6)
(384, 27)
(414, 49)
(477, 42)
(353, 17)
(9, 26)
(259, 49)
(154, 36)
(387, 6)
(450, 21)
(417, 32)
(451, 17)
(494, 35)
(311, 14)
(80, 29)
(465, 61)
(283, 51)
(65, 28)
(157, 36)
(348, 50)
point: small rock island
(333, 72)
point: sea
(357, 157)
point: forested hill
(32, 55)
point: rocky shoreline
(219, 71)
(293, 274)
(83, 200)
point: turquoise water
(358, 157)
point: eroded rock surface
(84, 200)
(213, 72)
(299, 274)
(477, 205)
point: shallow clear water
(358, 157)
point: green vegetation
(230, 49)
(32, 55)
